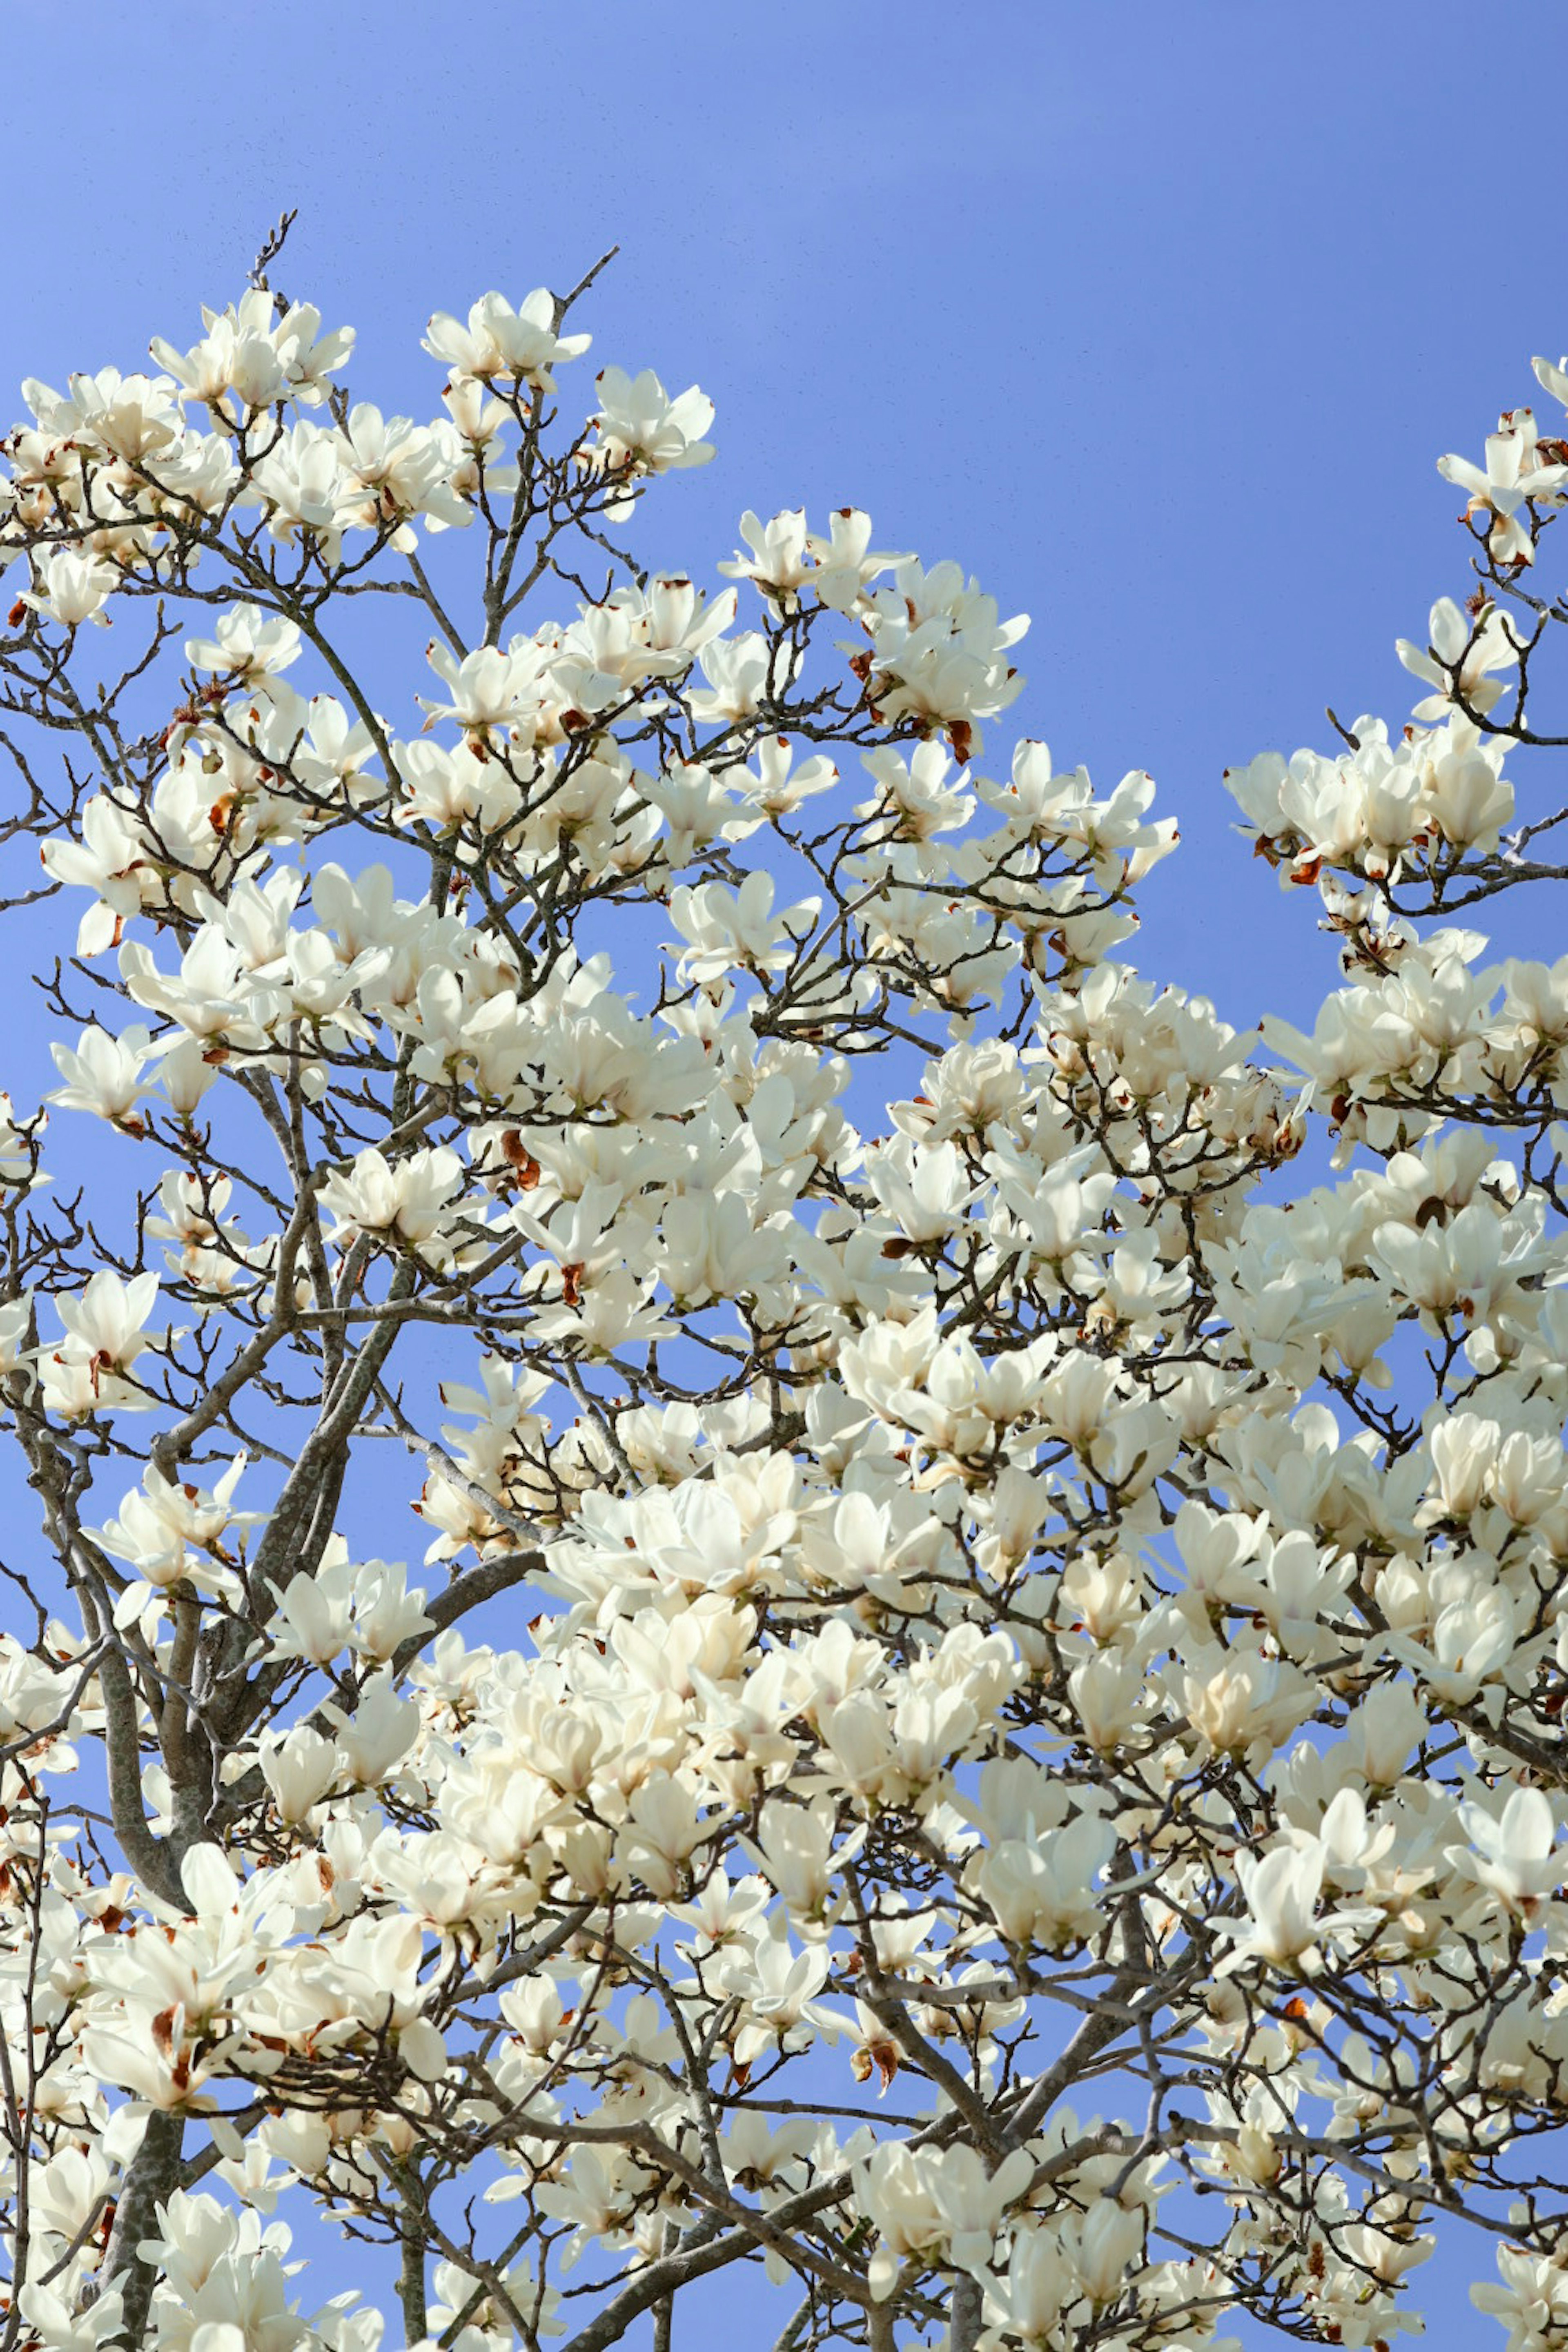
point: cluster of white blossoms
(980, 1728)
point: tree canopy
(975, 1755)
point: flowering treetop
(979, 1728)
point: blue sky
(1156, 317)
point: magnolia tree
(975, 1755)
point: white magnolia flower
(1518, 1854)
(641, 430)
(1513, 475)
(73, 587)
(250, 646)
(408, 1200)
(104, 1075)
(1281, 1888)
(498, 342)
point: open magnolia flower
(976, 1752)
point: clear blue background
(1155, 316)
